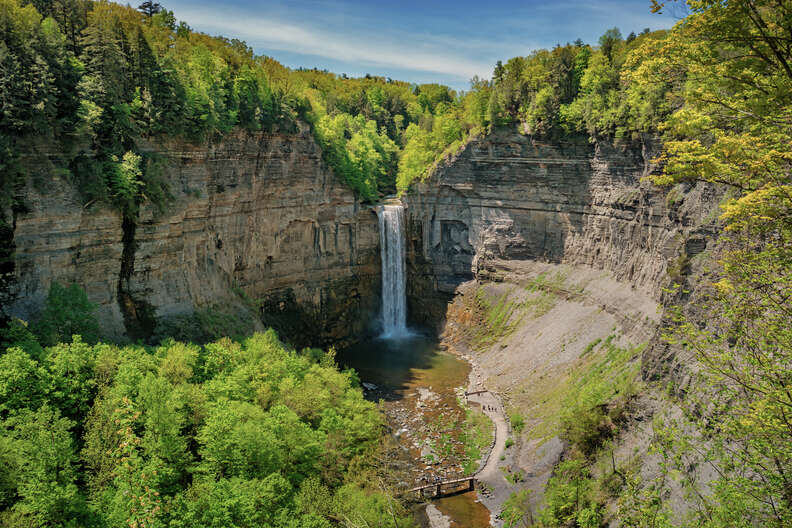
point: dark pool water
(396, 365)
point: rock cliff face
(506, 196)
(256, 214)
(531, 255)
(261, 215)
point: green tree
(150, 8)
(67, 312)
(126, 181)
(568, 494)
(517, 510)
(37, 81)
(135, 503)
(18, 334)
(608, 42)
(43, 462)
(734, 130)
(236, 502)
(70, 378)
(22, 385)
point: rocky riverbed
(422, 390)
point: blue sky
(447, 41)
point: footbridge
(441, 488)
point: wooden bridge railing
(444, 487)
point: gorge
(260, 216)
(263, 214)
(238, 292)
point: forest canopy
(100, 78)
(232, 433)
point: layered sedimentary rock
(255, 215)
(261, 215)
(507, 196)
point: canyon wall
(507, 196)
(535, 258)
(254, 217)
(260, 217)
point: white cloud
(332, 44)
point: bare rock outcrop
(254, 215)
(507, 196)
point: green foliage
(22, 383)
(591, 346)
(517, 421)
(70, 375)
(125, 180)
(17, 334)
(734, 129)
(500, 318)
(600, 398)
(67, 312)
(595, 406)
(236, 433)
(568, 496)
(476, 436)
(41, 458)
(425, 145)
(117, 76)
(517, 509)
(640, 504)
(362, 157)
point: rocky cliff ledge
(506, 196)
(256, 215)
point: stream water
(419, 385)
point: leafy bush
(567, 494)
(517, 509)
(517, 421)
(67, 312)
(18, 334)
(600, 398)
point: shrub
(67, 312)
(516, 509)
(17, 334)
(517, 421)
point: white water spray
(394, 291)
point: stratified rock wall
(507, 196)
(258, 214)
(262, 215)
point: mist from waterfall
(394, 280)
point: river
(420, 386)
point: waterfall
(394, 294)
